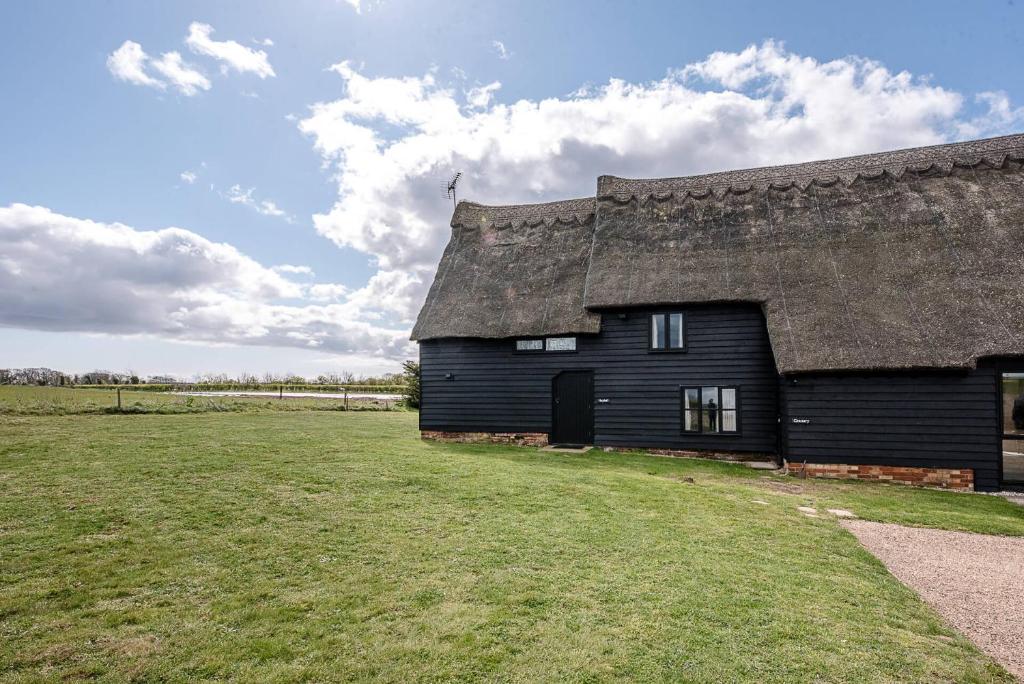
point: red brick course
(537, 439)
(945, 478)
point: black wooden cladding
(493, 388)
(915, 419)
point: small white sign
(802, 421)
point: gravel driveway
(975, 581)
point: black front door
(572, 419)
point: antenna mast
(451, 188)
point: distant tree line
(48, 376)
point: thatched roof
(905, 259)
(512, 271)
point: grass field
(338, 546)
(23, 400)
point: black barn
(859, 317)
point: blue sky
(531, 101)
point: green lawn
(338, 546)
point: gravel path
(975, 581)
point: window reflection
(710, 409)
(1013, 403)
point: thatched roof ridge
(931, 160)
(548, 213)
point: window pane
(561, 344)
(690, 421)
(728, 419)
(709, 397)
(1013, 460)
(1013, 403)
(728, 398)
(693, 399)
(675, 331)
(657, 331)
(529, 345)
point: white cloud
(182, 75)
(326, 292)
(297, 270)
(236, 195)
(232, 54)
(128, 63)
(189, 177)
(60, 273)
(392, 141)
(499, 47)
(481, 96)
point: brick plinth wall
(538, 439)
(946, 478)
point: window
(551, 344)
(710, 409)
(529, 345)
(667, 332)
(561, 343)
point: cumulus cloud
(182, 75)
(481, 96)
(128, 63)
(67, 274)
(231, 54)
(392, 141)
(189, 177)
(291, 268)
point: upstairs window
(560, 344)
(551, 344)
(667, 333)
(529, 345)
(710, 409)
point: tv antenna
(450, 188)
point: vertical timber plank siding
(495, 389)
(919, 419)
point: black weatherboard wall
(482, 385)
(916, 419)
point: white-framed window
(551, 344)
(529, 345)
(560, 344)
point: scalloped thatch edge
(937, 160)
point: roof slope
(905, 259)
(512, 271)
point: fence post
(118, 398)
(346, 398)
(280, 391)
